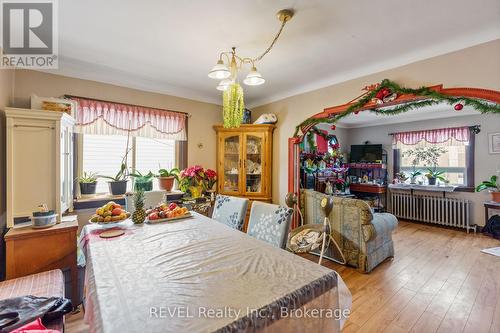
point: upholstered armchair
(365, 238)
(230, 210)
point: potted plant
(209, 182)
(166, 178)
(414, 174)
(493, 185)
(88, 182)
(143, 182)
(191, 180)
(432, 175)
(118, 183)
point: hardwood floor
(437, 282)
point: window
(103, 154)
(153, 154)
(454, 155)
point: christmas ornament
(384, 95)
(458, 106)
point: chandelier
(227, 68)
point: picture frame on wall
(494, 143)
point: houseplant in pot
(191, 181)
(167, 177)
(118, 183)
(209, 182)
(432, 175)
(493, 185)
(143, 182)
(88, 183)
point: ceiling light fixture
(227, 71)
(234, 63)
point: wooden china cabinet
(244, 159)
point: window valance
(442, 135)
(101, 117)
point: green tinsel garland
(233, 106)
(434, 98)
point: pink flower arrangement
(197, 176)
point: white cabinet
(39, 161)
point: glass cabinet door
(231, 151)
(253, 163)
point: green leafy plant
(491, 184)
(88, 178)
(415, 173)
(121, 175)
(233, 106)
(123, 172)
(169, 173)
(140, 178)
(435, 174)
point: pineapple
(139, 214)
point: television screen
(366, 153)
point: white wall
(485, 164)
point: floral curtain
(435, 136)
(99, 117)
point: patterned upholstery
(230, 210)
(364, 237)
(269, 223)
(46, 284)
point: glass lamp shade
(224, 84)
(254, 78)
(219, 72)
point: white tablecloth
(198, 275)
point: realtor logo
(29, 34)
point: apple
(153, 216)
(172, 206)
(116, 211)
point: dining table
(199, 275)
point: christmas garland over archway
(388, 91)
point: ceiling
(169, 46)
(437, 111)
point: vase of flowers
(191, 180)
(209, 182)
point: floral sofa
(365, 238)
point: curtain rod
(128, 104)
(476, 128)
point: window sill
(97, 200)
(465, 189)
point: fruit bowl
(166, 212)
(109, 214)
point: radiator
(453, 212)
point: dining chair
(230, 210)
(270, 223)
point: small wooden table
(487, 206)
(31, 251)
